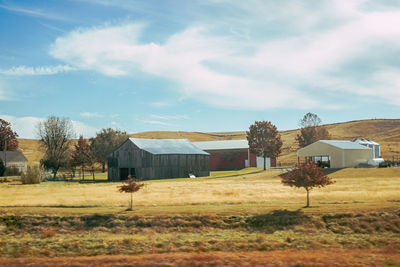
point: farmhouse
(232, 155)
(14, 159)
(342, 154)
(157, 159)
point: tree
(307, 175)
(131, 186)
(105, 142)
(82, 156)
(311, 130)
(7, 134)
(264, 140)
(2, 167)
(55, 135)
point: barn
(14, 159)
(337, 154)
(157, 159)
(232, 155)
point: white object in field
(375, 162)
(246, 163)
(191, 175)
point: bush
(12, 171)
(33, 175)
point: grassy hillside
(385, 132)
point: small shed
(337, 154)
(232, 155)
(14, 159)
(157, 159)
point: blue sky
(209, 65)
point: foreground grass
(245, 213)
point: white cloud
(48, 70)
(26, 126)
(169, 117)
(81, 128)
(155, 122)
(251, 73)
(91, 115)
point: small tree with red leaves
(131, 185)
(7, 134)
(307, 175)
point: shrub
(32, 175)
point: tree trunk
(93, 174)
(54, 173)
(308, 198)
(103, 165)
(83, 173)
(131, 204)
(265, 162)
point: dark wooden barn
(157, 159)
(232, 155)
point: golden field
(250, 219)
(253, 192)
(384, 131)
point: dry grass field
(244, 220)
(384, 131)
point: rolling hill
(384, 131)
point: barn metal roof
(344, 144)
(13, 156)
(222, 144)
(167, 146)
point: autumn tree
(105, 142)
(82, 156)
(55, 136)
(131, 186)
(311, 130)
(264, 140)
(2, 167)
(7, 134)
(307, 175)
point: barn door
(132, 172)
(123, 173)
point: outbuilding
(232, 155)
(14, 159)
(157, 159)
(336, 154)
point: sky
(207, 65)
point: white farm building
(342, 154)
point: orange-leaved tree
(307, 175)
(264, 140)
(131, 186)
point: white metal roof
(222, 144)
(167, 146)
(365, 141)
(344, 144)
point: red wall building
(232, 155)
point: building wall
(235, 159)
(129, 159)
(353, 157)
(20, 165)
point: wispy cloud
(238, 69)
(38, 13)
(169, 117)
(155, 122)
(43, 70)
(91, 115)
